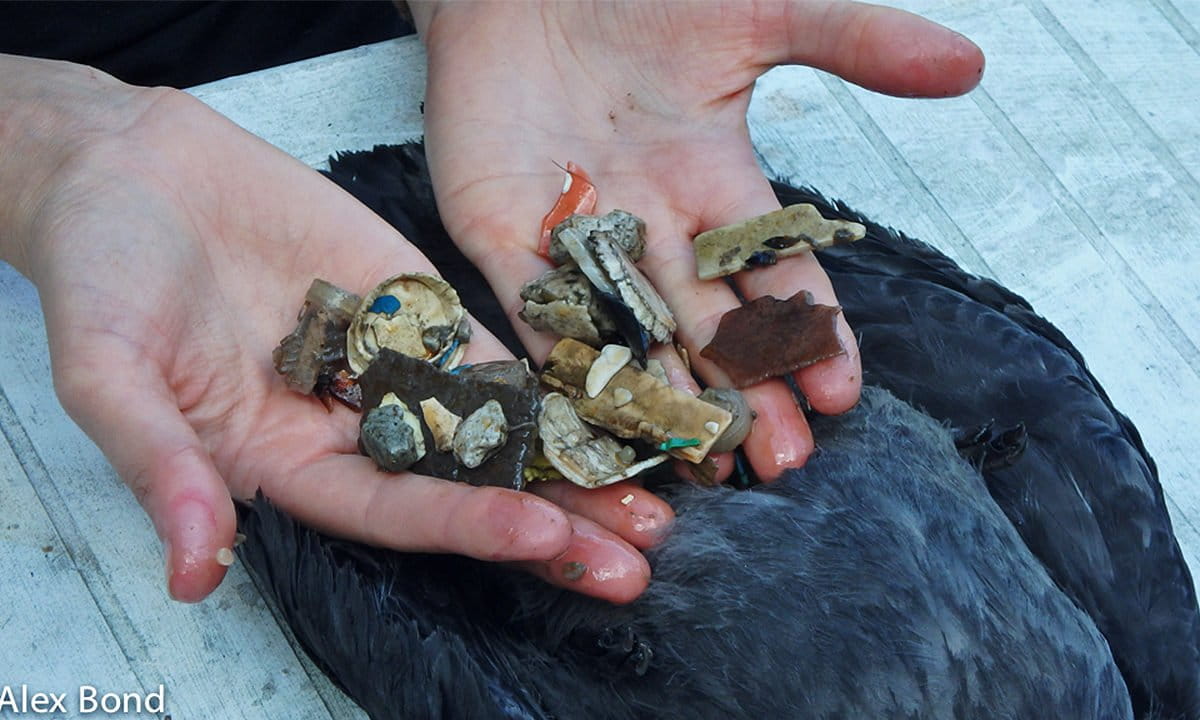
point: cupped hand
(651, 99)
(171, 251)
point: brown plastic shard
(655, 412)
(584, 456)
(761, 241)
(414, 380)
(625, 229)
(769, 337)
(563, 302)
(318, 344)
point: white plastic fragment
(612, 358)
(441, 422)
(583, 455)
(481, 434)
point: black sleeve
(187, 43)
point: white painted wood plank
(1032, 245)
(964, 169)
(352, 100)
(224, 658)
(1125, 204)
(1184, 16)
(1188, 10)
(1094, 157)
(53, 638)
(1152, 69)
(802, 134)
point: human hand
(651, 99)
(171, 251)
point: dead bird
(887, 578)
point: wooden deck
(1072, 176)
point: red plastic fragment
(578, 197)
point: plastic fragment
(674, 443)
(769, 337)
(762, 241)
(735, 403)
(481, 434)
(391, 435)
(578, 196)
(610, 361)
(441, 422)
(581, 454)
(385, 305)
(423, 319)
(655, 413)
(509, 383)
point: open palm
(171, 257)
(651, 99)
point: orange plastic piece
(578, 197)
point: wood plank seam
(951, 234)
(1115, 98)
(122, 630)
(1088, 228)
(1179, 21)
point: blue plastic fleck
(385, 305)
(441, 363)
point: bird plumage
(887, 578)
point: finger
(633, 513)
(596, 563)
(882, 49)
(135, 420)
(698, 307)
(831, 386)
(347, 496)
(679, 375)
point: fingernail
(648, 519)
(193, 535)
(541, 526)
(776, 429)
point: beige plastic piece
(790, 231)
(656, 413)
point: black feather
(887, 578)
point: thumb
(131, 414)
(883, 49)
